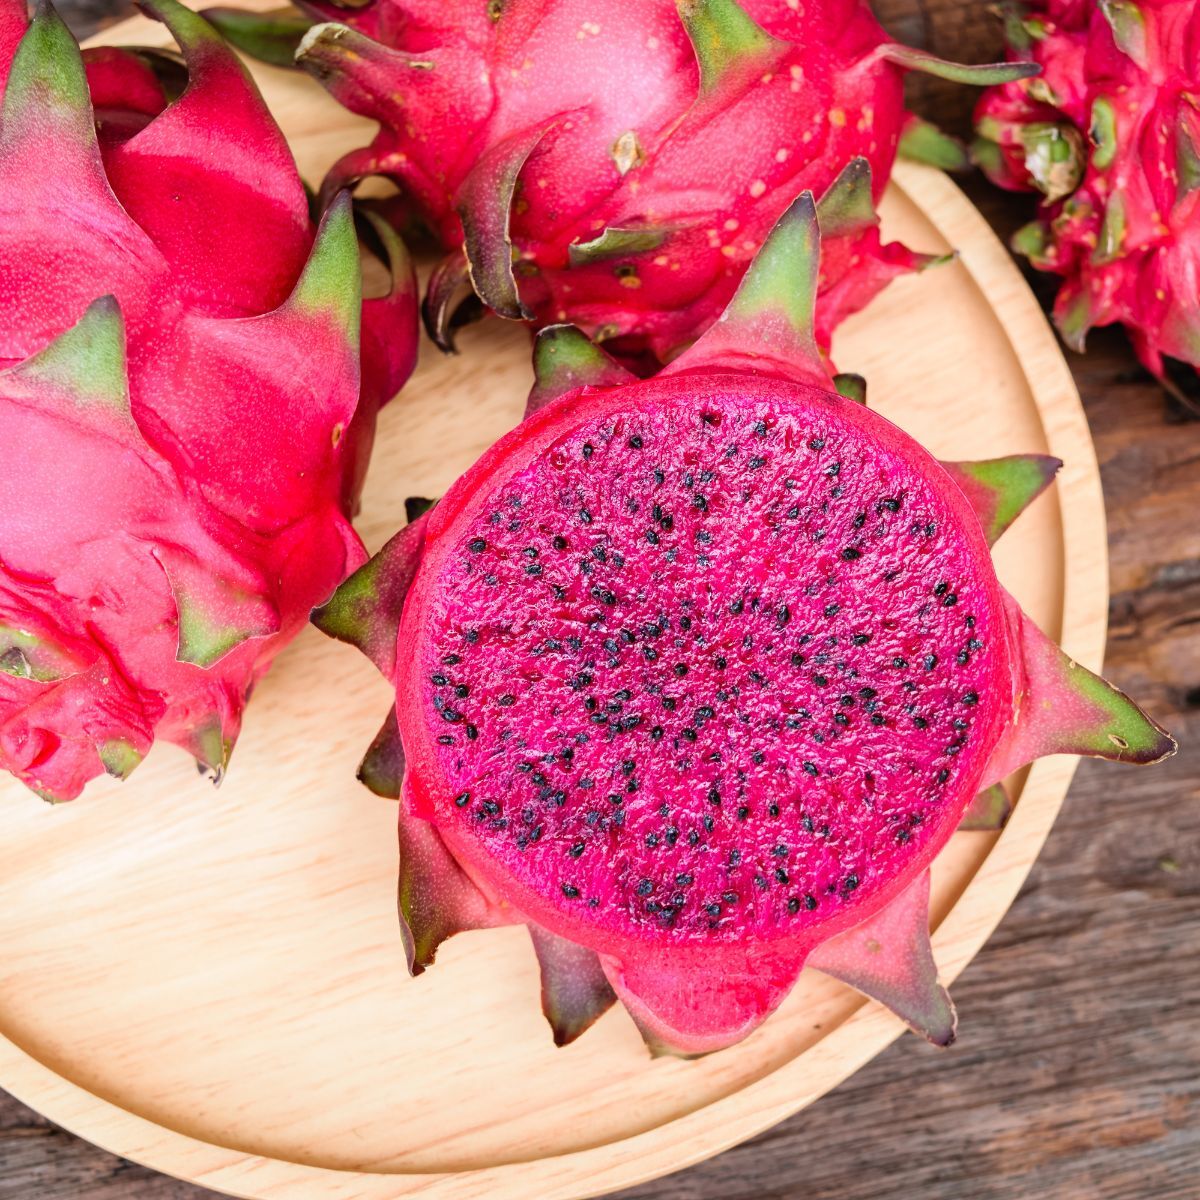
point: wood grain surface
(1079, 1077)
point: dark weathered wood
(1077, 1073)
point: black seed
(451, 715)
(831, 610)
(931, 661)
(920, 723)
(902, 836)
(635, 442)
(445, 740)
(534, 569)
(680, 669)
(472, 733)
(809, 768)
(585, 517)
(793, 905)
(851, 883)
(943, 775)
(570, 891)
(656, 733)
(576, 850)
(652, 840)
(899, 663)
(737, 607)
(507, 700)
(491, 807)
(970, 698)
(462, 799)
(962, 658)
(754, 463)
(645, 887)
(877, 718)
(850, 554)
(781, 875)
(820, 680)
(688, 735)
(477, 545)
(588, 449)
(817, 443)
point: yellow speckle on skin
(731, 225)
(782, 154)
(630, 281)
(675, 266)
(1159, 294)
(837, 117)
(749, 246)
(561, 314)
(806, 136)
(757, 188)
(652, 43)
(768, 77)
(661, 260)
(728, 251)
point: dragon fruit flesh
(696, 675)
(180, 399)
(617, 164)
(1110, 135)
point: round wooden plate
(211, 983)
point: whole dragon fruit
(615, 163)
(179, 399)
(695, 675)
(1110, 135)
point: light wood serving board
(212, 983)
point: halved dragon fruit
(615, 164)
(696, 675)
(180, 400)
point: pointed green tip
(847, 206)
(87, 362)
(1000, 489)
(783, 277)
(617, 242)
(726, 41)
(47, 88)
(921, 141)
(978, 74)
(853, 387)
(330, 285)
(119, 757)
(988, 812)
(1128, 28)
(194, 34)
(564, 358)
(1117, 729)
(211, 749)
(382, 768)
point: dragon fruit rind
(617, 164)
(180, 400)
(1110, 135)
(695, 676)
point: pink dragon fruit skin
(1110, 135)
(179, 396)
(617, 164)
(696, 675)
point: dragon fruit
(179, 399)
(1110, 135)
(614, 164)
(695, 676)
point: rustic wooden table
(1078, 1075)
